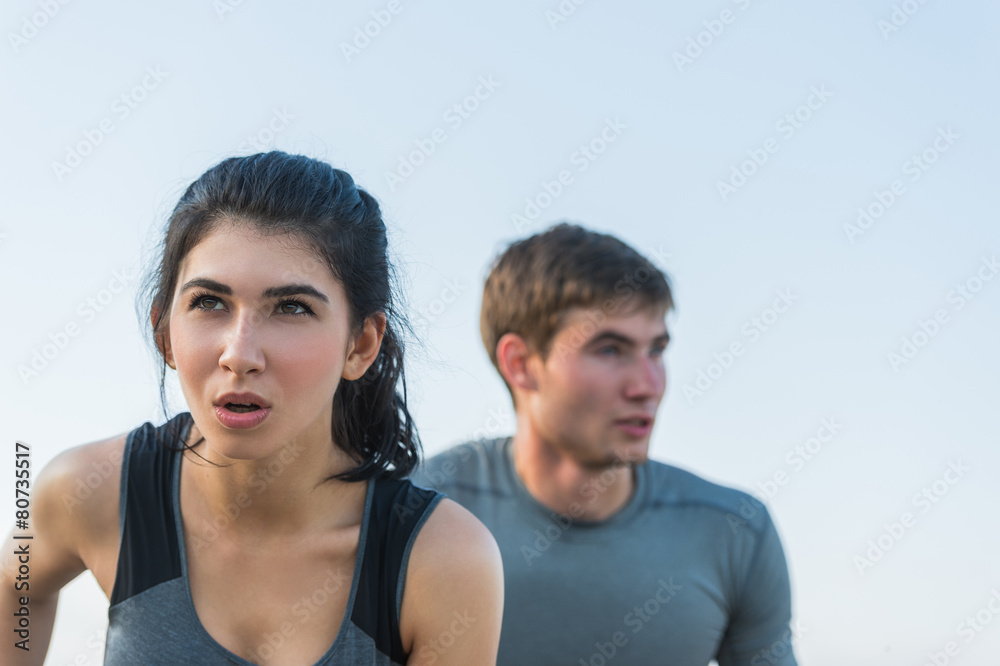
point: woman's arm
(67, 527)
(453, 597)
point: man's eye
(609, 350)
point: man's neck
(563, 485)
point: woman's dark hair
(281, 194)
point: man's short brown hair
(537, 280)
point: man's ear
(162, 338)
(365, 347)
(515, 362)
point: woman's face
(260, 336)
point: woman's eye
(209, 303)
(293, 308)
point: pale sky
(814, 177)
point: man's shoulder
(672, 486)
(478, 464)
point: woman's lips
(241, 420)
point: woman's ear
(514, 361)
(365, 347)
(162, 338)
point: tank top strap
(398, 511)
(149, 553)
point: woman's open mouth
(241, 411)
(241, 408)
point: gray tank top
(152, 618)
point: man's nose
(647, 379)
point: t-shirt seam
(653, 502)
(758, 547)
(483, 490)
(758, 530)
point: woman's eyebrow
(205, 283)
(270, 292)
(294, 290)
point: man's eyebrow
(271, 292)
(612, 336)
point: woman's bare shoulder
(82, 485)
(451, 532)
(454, 574)
(74, 515)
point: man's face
(599, 388)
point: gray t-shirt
(688, 571)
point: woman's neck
(287, 492)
